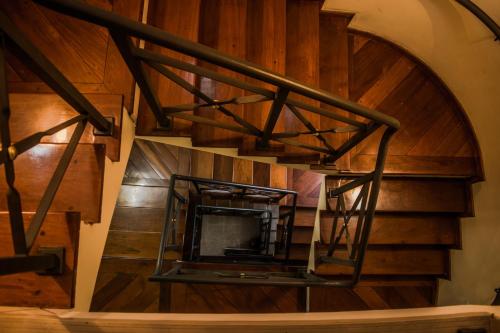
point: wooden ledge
(440, 319)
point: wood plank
(78, 49)
(222, 26)
(242, 171)
(305, 217)
(31, 289)
(435, 137)
(33, 113)
(132, 244)
(419, 165)
(302, 61)
(142, 196)
(403, 229)
(265, 46)
(223, 168)
(202, 164)
(122, 286)
(417, 194)
(261, 174)
(438, 320)
(300, 235)
(137, 219)
(206, 298)
(387, 294)
(334, 73)
(180, 18)
(117, 77)
(307, 184)
(84, 173)
(394, 261)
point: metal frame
(361, 122)
(482, 16)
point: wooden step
(31, 289)
(375, 294)
(403, 229)
(80, 190)
(32, 113)
(180, 18)
(302, 63)
(415, 194)
(223, 27)
(407, 261)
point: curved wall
(461, 51)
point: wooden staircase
(417, 218)
(94, 66)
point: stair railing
(360, 123)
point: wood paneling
(222, 26)
(334, 73)
(137, 219)
(122, 286)
(261, 174)
(34, 169)
(31, 289)
(181, 19)
(142, 196)
(404, 261)
(413, 194)
(375, 295)
(202, 164)
(402, 229)
(33, 113)
(132, 244)
(435, 136)
(223, 168)
(302, 61)
(243, 171)
(265, 46)
(206, 298)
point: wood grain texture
(261, 174)
(334, 73)
(265, 46)
(84, 173)
(243, 171)
(413, 194)
(435, 136)
(33, 113)
(375, 295)
(31, 289)
(302, 61)
(122, 286)
(180, 18)
(307, 184)
(142, 196)
(132, 244)
(402, 229)
(402, 261)
(222, 26)
(439, 320)
(205, 298)
(82, 51)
